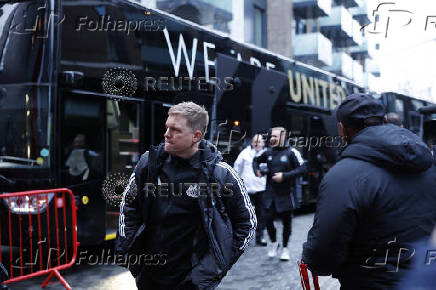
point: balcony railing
(349, 3)
(362, 51)
(360, 13)
(357, 34)
(357, 73)
(373, 67)
(338, 26)
(342, 65)
(369, 80)
(313, 48)
(312, 8)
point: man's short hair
(394, 118)
(196, 116)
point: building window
(301, 25)
(259, 26)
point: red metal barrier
(304, 276)
(29, 222)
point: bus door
(156, 113)
(81, 150)
(123, 151)
(100, 146)
(159, 115)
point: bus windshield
(24, 127)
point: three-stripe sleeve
(247, 205)
(130, 187)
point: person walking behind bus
(186, 207)
(283, 168)
(255, 185)
(374, 203)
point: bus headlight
(29, 204)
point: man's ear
(341, 130)
(197, 136)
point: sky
(407, 47)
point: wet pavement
(254, 270)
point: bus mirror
(431, 109)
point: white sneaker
(272, 249)
(285, 254)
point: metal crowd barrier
(304, 276)
(38, 233)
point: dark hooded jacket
(228, 217)
(372, 205)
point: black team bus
(408, 110)
(85, 87)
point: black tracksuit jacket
(228, 218)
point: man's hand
(277, 177)
(258, 174)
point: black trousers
(286, 217)
(257, 201)
(147, 283)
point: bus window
(417, 104)
(24, 127)
(399, 108)
(82, 139)
(415, 123)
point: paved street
(253, 270)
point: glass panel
(258, 24)
(24, 127)
(82, 138)
(123, 133)
(123, 150)
(399, 108)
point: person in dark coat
(283, 168)
(421, 276)
(184, 211)
(374, 203)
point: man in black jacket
(186, 213)
(374, 203)
(284, 165)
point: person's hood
(210, 153)
(391, 147)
